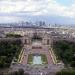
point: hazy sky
(57, 10)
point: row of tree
(65, 51)
(8, 50)
(13, 35)
(66, 72)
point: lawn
(30, 59)
(44, 59)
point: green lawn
(30, 59)
(44, 59)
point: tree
(73, 64)
(65, 51)
(66, 72)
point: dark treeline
(13, 35)
(66, 72)
(65, 51)
(8, 50)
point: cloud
(36, 7)
(7, 19)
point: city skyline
(51, 11)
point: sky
(52, 11)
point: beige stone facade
(45, 38)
